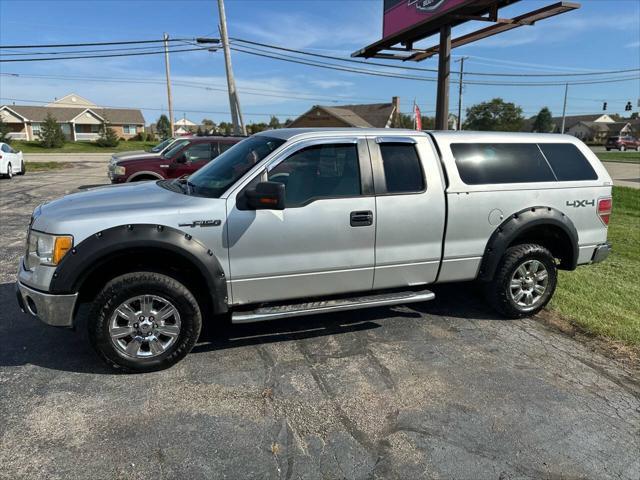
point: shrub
(51, 135)
(4, 132)
(108, 137)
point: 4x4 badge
(201, 223)
(581, 203)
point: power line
(103, 56)
(501, 74)
(91, 44)
(103, 50)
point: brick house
(378, 115)
(79, 118)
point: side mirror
(182, 158)
(266, 196)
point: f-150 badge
(201, 223)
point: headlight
(118, 170)
(45, 249)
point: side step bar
(328, 306)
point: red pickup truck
(183, 158)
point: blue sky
(602, 35)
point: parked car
(301, 221)
(182, 157)
(156, 150)
(11, 161)
(623, 143)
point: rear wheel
(524, 281)
(622, 148)
(144, 321)
(9, 173)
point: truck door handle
(362, 218)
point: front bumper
(601, 253)
(55, 310)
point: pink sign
(401, 14)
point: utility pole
(461, 60)
(167, 69)
(564, 107)
(234, 101)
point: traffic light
(604, 105)
(628, 107)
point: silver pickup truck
(304, 221)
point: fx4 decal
(581, 203)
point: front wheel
(9, 173)
(144, 321)
(22, 168)
(622, 148)
(524, 282)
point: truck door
(410, 207)
(322, 243)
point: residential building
(185, 126)
(79, 118)
(590, 128)
(378, 115)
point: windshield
(214, 179)
(161, 146)
(175, 148)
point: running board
(328, 306)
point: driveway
(443, 389)
(624, 174)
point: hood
(85, 213)
(142, 155)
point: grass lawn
(615, 156)
(81, 147)
(604, 299)
(44, 166)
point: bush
(108, 137)
(51, 135)
(4, 132)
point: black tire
(498, 291)
(623, 148)
(608, 149)
(9, 173)
(125, 287)
(23, 168)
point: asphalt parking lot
(443, 389)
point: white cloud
(635, 44)
(331, 83)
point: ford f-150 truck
(303, 221)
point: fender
(103, 246)
(148, 173)
(518, 223)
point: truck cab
(303, 221)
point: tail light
(605, 206)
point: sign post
(406, 22)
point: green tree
(543, 123)
(288, 122)
(209, 125)
(402, 120)
(256, 127)
(108, 137)
(225, 128)
(51, 135)
(634, 115)
(200, 132)
(274, 123)
(495, 115)
(163, 126)
(4, 132)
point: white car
(11, 162)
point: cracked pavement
(443, 389)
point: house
(185, 126)
(378, 115)
(79, 118)
(589, 128)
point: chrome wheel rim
(528, 284)
(144, 326)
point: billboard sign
(402, 14)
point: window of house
(35, 128)
(402, 169)
(487, 163)
(95, 128)
(568, 162)
(129, 129)
(318, 172)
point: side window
(317, 172)
(486, 163)
(567, 162)
(402, 169)
(225, 146)
(200, 152)
(5, 148)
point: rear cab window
(402, 168)
(499, 163)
